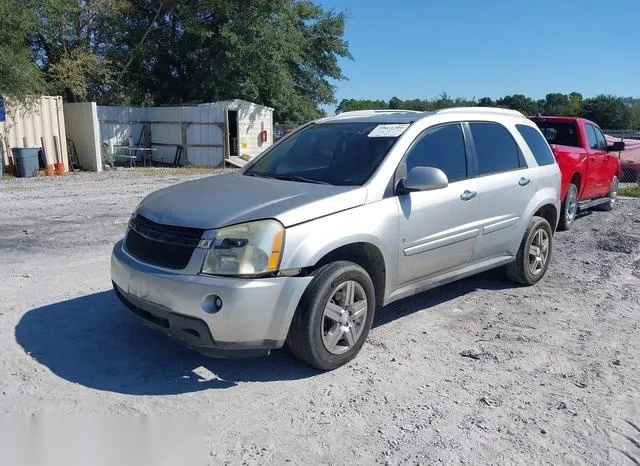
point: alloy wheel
(613, 195)
(538, 252)
(572, 207)
(344, 317)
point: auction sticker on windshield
(388, 131)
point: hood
(222, 200)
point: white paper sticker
(388, 131)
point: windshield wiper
(260, 175)
(301, 179)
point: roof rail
(496, 110)
(374, 111)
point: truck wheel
(334, 316)
(613, 196)
(534, 254)
(569, 208)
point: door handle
(465, 196)
(524, 181)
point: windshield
(559, 132)
(344, 154)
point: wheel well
(367, 256)
(549, 213)
(576, 179)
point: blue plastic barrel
(26, 159)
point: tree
(519, 102)
(574, 105)
(608, 111)
(555, 103)
(634, 113)
(486, 102)
(20, 77)
(71, 43)
(395, 103)
(280, 53)
(348, 105)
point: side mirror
(616, 147)
(423, 179)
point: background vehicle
(590, 167)
(342, 216)
(630, 156)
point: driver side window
(602, 142)
(440, 147)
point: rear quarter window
(538, 145)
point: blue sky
(477, 48)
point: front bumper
(254, 317)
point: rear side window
(537, 144)
(496, 150)
(592, 140)
(440, 147)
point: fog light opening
(211, 304)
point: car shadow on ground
(95, 342)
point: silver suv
(340, 217)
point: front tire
(534, 254)
(334, 316)
(613, 196)
(569, 208)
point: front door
(608, 165)
(596, 165)
(437, 229)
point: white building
(204, 135)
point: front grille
(162, 245)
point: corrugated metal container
(25, 125)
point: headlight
(247, 249)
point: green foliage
(609, 112)
(629, 191)
(519, 102)
(19, 74)
(350, 105)
(280, 53)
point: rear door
(595, 185)
(437, 229)
(505, 187)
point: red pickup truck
(590, 168)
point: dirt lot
(479, 371)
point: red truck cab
(590, 168)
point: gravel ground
(478, 371)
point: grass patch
(6, 177)
(629, 191)
(159, 171)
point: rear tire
(534, 254)
(613, 196)
(569, 208)
(334, 316)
